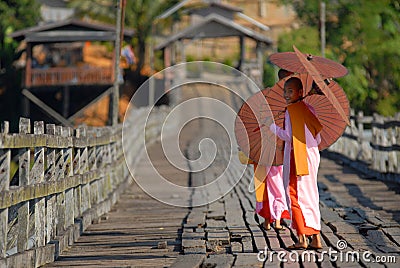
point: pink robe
(307, 188)
(275, 192)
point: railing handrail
(74, 177)
(378, 153)
(71, 75)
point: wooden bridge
(68, 199)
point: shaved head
(295, 83)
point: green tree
(364, 36)
(14, 15)
(139, 15)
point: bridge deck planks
(353, 208)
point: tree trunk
(141, 56)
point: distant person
(128, 54)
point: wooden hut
(55, 60)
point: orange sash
(300, 115)
(260, 174)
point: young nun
(301, 161)
(271, 201)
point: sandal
(262, 226)
(313, 248)
(282, 228)
(296, 247)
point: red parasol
(333, 125)
(261, 147)
(326, 68)
(248, 124)
(319, 80)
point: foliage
(305, 39)
(228, 61)
(364, 36)
(270, 77)
(14, 15)
(141, 15)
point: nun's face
(292, 93)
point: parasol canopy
(262, 147)
(326, 68)
(270, 101)
(333, 124)
(319, 80)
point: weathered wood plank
(68, 173)
(60, 171)
(378, 238)
(236, 247)
(221, 237)
(24, 179)
(247, 243)
(37, 176)
(5, 164)
(216, 211)
(220, 261)
(3, 232)
(193, 260)
(20, 194)
(24, 140)
(51, 209)
(247, 260)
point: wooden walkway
(138, 232)
(359, 214)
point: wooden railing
(70, 76)
(372, 144)
(65, 179)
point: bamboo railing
(372, 145)
(65, 179)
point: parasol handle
(311, 92)
(267, 120)
(258, 128)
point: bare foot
(316, 242)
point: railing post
(92, 167)
(23, 174)
(5, 161)
(354, 148)
(60, 166)
(37, 176)
(106, 185)
(84, 165)
(391, 141)
(77, 170)
(377, 140)
(397, 141)
(84, 168)
(68, 172)
(383, 143)
(94, 186)
(360, 124)
(51, 200)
